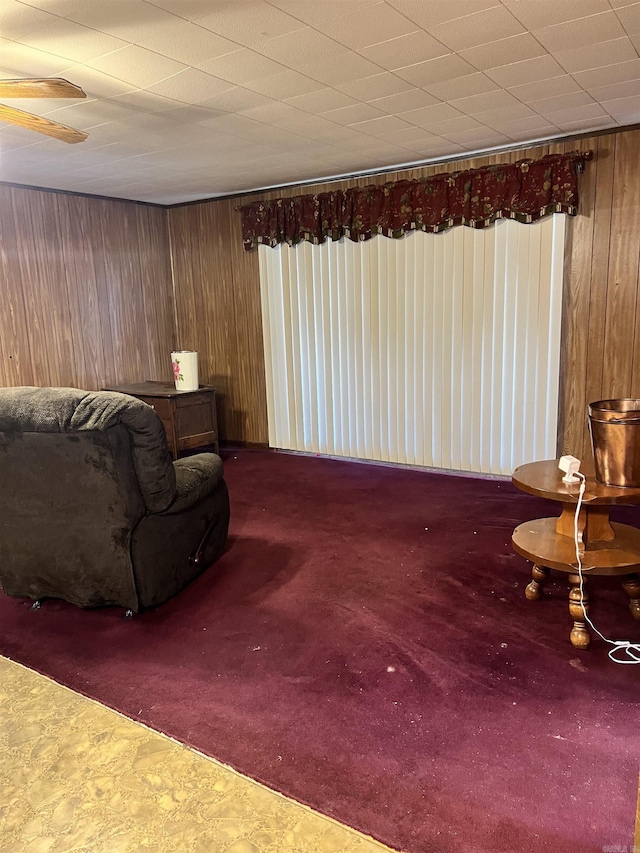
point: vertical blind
(435, 350)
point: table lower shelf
(539, 542)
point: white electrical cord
(632, 650)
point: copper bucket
(615, 438)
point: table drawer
(160, 404)
(194, 399)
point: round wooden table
(605, 547)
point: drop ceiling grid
(235, 96)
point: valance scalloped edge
(524, 191)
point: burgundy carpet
(364, 646)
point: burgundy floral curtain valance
(525, 191)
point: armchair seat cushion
(196, 477)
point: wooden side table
(606, 548)
(189, 417)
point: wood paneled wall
(97, 291)
(217, 293)
(601, 326)
(601, 319)
(86, 291)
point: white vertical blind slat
(438, 350)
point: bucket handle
(624, 421)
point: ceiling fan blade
(41, 125)
(54, 87)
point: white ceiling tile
(622, 105)
(190, 113)
(481, 27)
(61, 8)
(579, 113)
(390, 154)
(413, 99)
(590, 111)
(618, 73)
(347, 139)
(461, 87)
(118, 18)
(191, 86)
(374, 87)
(635, 41)
(87, 114)
(353, 114)
(460, 124)
(285, 84)
(596, 55)
(381, 125)
(146, 102)
(487, 101)
(528, 71)
(301, 48)
(407, 136)
(436, 148)
(342, 68)
(628, 89)
(278, 114)
(429, 115)
(189, 10)
(405, 50)
(184, 41)
(137, 66)
(540, 89)
(236, 99)
(351, 161)
(18, 60)
(541, 131)
(321, 100)
(242, 66)
(495, 118)
(359, 29)
(589, 125)
(435, 70)
(250, 22)
(503, 52)
(75, 42)
(486, 143)
(95, 83)
(430, 13)
(315, 128)
(581, 32)
(629, 17)
(479, 137)
(545, 13)
(314, 13)
(239, 125)
(532, 125)
(19, 19)
(549, 107)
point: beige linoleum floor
(76, 776)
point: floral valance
(525, 191)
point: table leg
(631, 584)
(533, 590)
(579, 634)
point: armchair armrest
(196, 477)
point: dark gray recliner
(92, 509)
